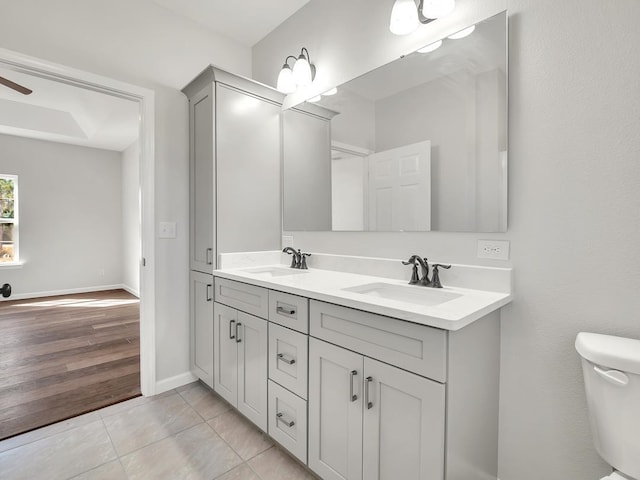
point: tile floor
(186, 433)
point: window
(9, 219)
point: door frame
(146, 101)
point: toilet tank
(611, 368)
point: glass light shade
(331, 91)
(404, 17)
(286, 83)
(302, 71)
(431, 47)
(437, 8)
(463, 33)
(315, 99)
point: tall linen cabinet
(234, 187)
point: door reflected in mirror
(420, 144)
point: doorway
(144, 98)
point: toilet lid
(618, 353)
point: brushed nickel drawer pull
(238, 339)
(209, 292)
(288, 423)
(209, 256)
(353, 397)
(367, 382)
(231, 324)
(289, 361)
(286, 311)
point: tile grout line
(114, 448)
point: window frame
(14, 221)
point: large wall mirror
(418, 144)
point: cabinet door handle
(209, 256)
(231, 324)
(352, 396)
(367, 382)
(238, 339)
(286, 311)
(289, 361)
(288, 423)
(209, 293)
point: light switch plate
(167, 230)
(494, 249)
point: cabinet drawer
(290, 311)
(247, 298)
(288, 420)
(413, 347)
(288, 359)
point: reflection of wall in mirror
(464, 116)
(348, 190)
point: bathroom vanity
(362, 376)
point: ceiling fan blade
(18, 88)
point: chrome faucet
(295, 260)
(424, 265)
(299, 259)
(415, 279)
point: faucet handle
(414, 273)
(294, 259)
(435, 280)
(303, 260)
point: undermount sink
(417, 295)
(275, 271)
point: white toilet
(611, 367)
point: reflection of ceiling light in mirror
(331, 91)
(463, 33)
(437, 8)
(431, 47)
(317, 98)
(404, 17)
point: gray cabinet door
(248, 172)
(335, 411)
(403, 425)
(201, 182)
(201, 318)
(252, 369)
(225, 378)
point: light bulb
(286, 83)
(404, 17)
(302, 71)
(437, 8)
(331, 91)
(463, 33)
(431, 47)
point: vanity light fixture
(462, 33)
(406, 17)
(301, 75)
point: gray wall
(131, 218)
(574, 222)
(70, 216)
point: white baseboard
(132, 291)
(69, 291)
(174, 382)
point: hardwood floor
(67, 355)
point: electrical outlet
(494, 249)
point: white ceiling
(63, 113)
(245, 21)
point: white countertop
(329, 285)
